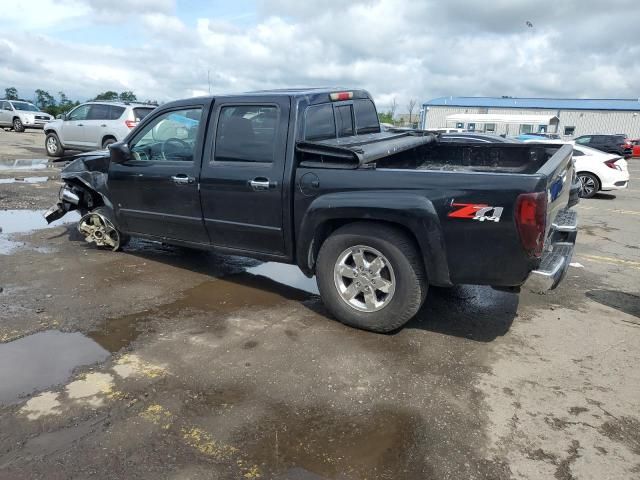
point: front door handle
(80, 125)
(261, 184)
(182, 179)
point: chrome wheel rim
(587, 185)
(364, 278)
(52, 146)
(98, 229)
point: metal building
(512, 116)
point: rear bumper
(557, 256)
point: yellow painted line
(611, 261)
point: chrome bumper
(557, 256)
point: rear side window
(319, 123)
(140, 113)
(246, 133)
(366, 117)
(98, 112)
(115, 112)
(344, 121)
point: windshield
(27, 107)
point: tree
(393, 108)
(385, 117)
(44, 100)
(411, 106)
(11, 93)
(108, 95)
(128, 96)
(64, 105)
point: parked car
(596, 170)
(21, 115)
(306, 177)
(599, 171)
(618, 144)
(93, 126)
(635, 148)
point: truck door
(241, 184)
(155, 192)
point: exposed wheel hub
(98, 229)
(364, 278)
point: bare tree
(393, 108)
(411, 106)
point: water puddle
(42, 360)
(22, 164)
(289, 275)
(320, 444)
(23, 180)
(23, 221)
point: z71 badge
(476, 211)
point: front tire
(17, 125)
(371, 276)
(96, 227)
(589, 185)
(53, 146)
(107, 142)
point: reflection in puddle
(21, 221)
(22, 164)
(24, 180)
(286, 274)
(42, 360)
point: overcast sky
(163, 49)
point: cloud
(410, 49)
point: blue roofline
(542, 103)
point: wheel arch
(106, 137)
(411, 214)
(590, 173)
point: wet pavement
(163, 362)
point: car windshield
(24, 106)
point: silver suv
(19, 115)
(93, 126)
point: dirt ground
(159, 362)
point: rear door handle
(80, 125)
(182, 179)
(103, 125)
(261, 184)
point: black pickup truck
(307, 177)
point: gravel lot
(158, 362)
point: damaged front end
(84, 190)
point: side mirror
(60, 116)
(119, 152)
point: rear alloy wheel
(96, 228)
(17, 125)
(589, 185)
(371, 276)
(107, 142)
(53, 147)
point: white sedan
(598, 171)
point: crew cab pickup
(306, 177)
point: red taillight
(130, 123)
(531, 219)
(612, 163)
(338, 96)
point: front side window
(246, 133)
(79, 113)
(344, 121)
(583, 140)
(169, 137)
(577, 153)
(319, 123)
(366, 117)
(98, 111)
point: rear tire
(589, 185)
(53, 146)
(107, 142)
(17, 125)
(383, 301)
